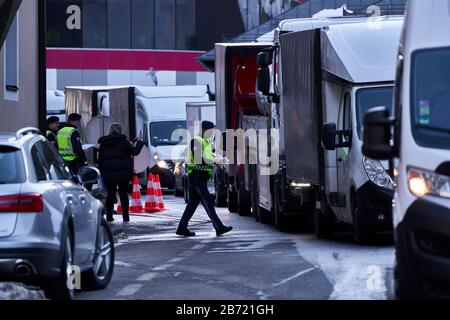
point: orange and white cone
(159, 194)
(136, 203)
(119, 208)
(151, 204)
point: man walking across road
(200, 169)
(52, 130)
(70, 146)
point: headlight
(163, 165)
(377, 174)
(424, 183)
(156, 157)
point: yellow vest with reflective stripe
(207, 155)
(49, 134)
(65, 147)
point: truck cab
(420, 149)
(161, 122)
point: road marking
(123, 264)
(199, 246)
(294, 277)
(163, 267)
(130, 290)
(148, 276)
(176, 260)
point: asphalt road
(254, 262)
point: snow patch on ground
(357, 273)
(11, 291)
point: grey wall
(23, 113)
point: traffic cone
(151, 203)
(136, 203)
(159, 194)
(119, 208)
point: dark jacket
(115, 158)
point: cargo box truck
(157, 115)
(323, 81)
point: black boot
(186, 233)
(223, 231)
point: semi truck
(416, 137)
(157, 115)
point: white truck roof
(362, 52)
(427, 25)
(172, 91)
(293, 25)
(168, 103)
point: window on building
(119, 24)
(64, 28)
(165, 24)
(186, 16)
(12, 62)
(94, 22)
(143, 24)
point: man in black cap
(200, 168)
(52, 130)
(70, 146)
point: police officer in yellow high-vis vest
(52, 130)
(70, 146)
(200, 168)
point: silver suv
(52, 232)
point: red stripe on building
(82, 59)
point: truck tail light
(24, 203)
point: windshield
(11, 166)
(430, 84)
(369, 98)
(168, 133)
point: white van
(421, 151)
(161, 117)
(56, 105)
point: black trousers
(111, 199)
(198, 193)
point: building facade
(129, 42)
(19, 68)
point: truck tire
(221, 195)
(244, 201)
(57, 289)
(364, 233)
(324, 223)
(232, 201)
(186, 190)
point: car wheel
(364, 234)
(58, 289)
(99, 277)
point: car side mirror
(377, 134)
(333, 139)
(88, 175)
(264, 59)
(263, 84)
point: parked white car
(50, 225)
